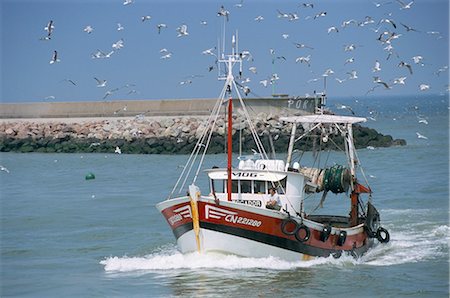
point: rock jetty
(153, 135)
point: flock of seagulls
(388, 32)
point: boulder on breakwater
(154, 135)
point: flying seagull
(54, 57)
(223, 13)
(100, 83)
(404, 64)
(304, 60)
(88, 29)
(118, 45)
(182, 31)
(377, 66)
(160, 26)
(302, 46)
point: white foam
(408, 245)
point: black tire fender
(286, 223)
(380, 233)
(307, 233)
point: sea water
(63, 235)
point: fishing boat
(234, 216)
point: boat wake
(409, 244)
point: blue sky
(27, 75)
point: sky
(137, 71)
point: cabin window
(246, 186)
(234, 186)
(218, 185)
(259, 187)
(280, 186)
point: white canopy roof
(323, 119)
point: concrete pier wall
(180, 107)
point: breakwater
(154, 135)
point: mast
(230, 146)
(354, 196)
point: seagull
(145, 18)
(388, 21)
(377, 66)
(424, 87)
(418, 59)
(167, 56)
(51, 97)
(302, 46)
(119, 27)
(438, 34)
(293, 17)
(404, 64)
(282, 14)
(442, 69)
(239, 5)
(259, 18)
(306, 5)
(399, 81)
(423, 120)
(70, 81)
(408, 28)
(404, 5)
(349, 48)
(247, 54)
(101, 83)
(348, 23)
(421, 136)
(344, 107)
(88, 29)
(367, 20)
(333, 28)
(285, 36)
(264, 83)
(253, 69)
(379, 81)
(223, 13)
(54, 57)
(118, 45)
(349, 60)
(328, 72)
(209, 52)
(320, 14)
(95, 144)
(182, 30)
(160, 26)
(353, 75)
(304, 60)
(204, 23)
(49, 28)
(2, 168)
(110, 92)
(186, 82)
(126, 2)
(372, 90)
(340, 81)
(117, 150)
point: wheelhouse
(252, 180)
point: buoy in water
(89, 176)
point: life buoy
(301, 238)
(380, 233)
(289, 226)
